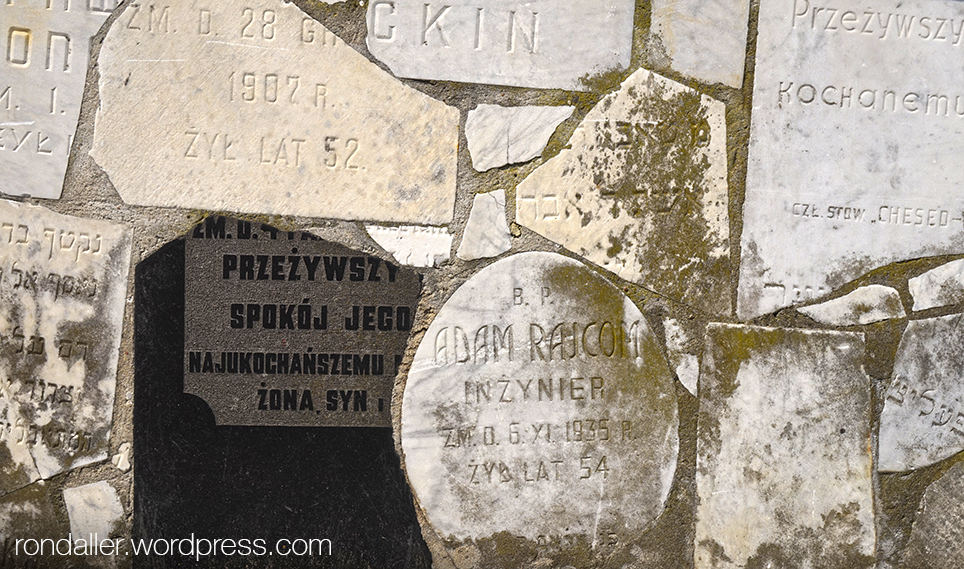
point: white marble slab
(255, 107)
(939, 286)
(865, 305)
(524, 43)
(854, 110)
(936, 539)
(539, 404)
(486, 232)
(680, 353)
(45, 50)
(641, 191)
(413, 245)
(500, 135)
(93, 509)
(784, 469)
(704, 39)
(923, 417)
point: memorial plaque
(539, 404)
(784, 467)
(261, 103)
(865, 305)
(937, 539)
(940, 286)
(46, 47)
(500, 135)
(854, 109)
(550, 45)
(63, 281)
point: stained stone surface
(704, 39)
(865, 305)
(62, 287)
(46, 47)
(29, 513)
(923, 417)
(784, 469)
(253, 106)
(500, 135)
(937, 539)
(539, 404)
(849, 102)
(93, 509)
(681, 353)
(486, 232)
(413, 245)
(641, 190)
(502, 42)
(940, 286)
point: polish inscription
(540, 385)
(44, 45)
(283, 328)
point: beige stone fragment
(940, 286)
(499, 135)
(865, 305)
(256, 107)
(937, 538)
(486, 232)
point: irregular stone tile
(704, 40)
(539, 404)
(63, 281)
(46, 47)
(254, 106)
(784, 469)
(923, 417)
(679, 352)
(865, 305)
(940, 286)
(413, 245)
(122, 460)
(937, 538)
(826, 200)
(93, 509)
(486, 232)
(500, 135)
(29, 514)
(500, 42)
(641, 191)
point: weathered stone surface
(681, 354)
(500, 135)
(413, 245)
(93, 509)
(937, 539)
(865, 305)
(940, 286)
(486, 232)
(254, 106)
(704, 39)
(502, 42)
(923, 417)
(784, 469)
(641, 191)
(849, 102)
(539, 404)
(46, 47)
(62, 287)
(25, 514)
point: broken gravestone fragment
(865, 305)
(93, 509)
(641, 191)
(682, 353)
(29, 515)
(260, 103)
(937, 538)
(502, 42)
(826, 201)
(539, 404)
(413, 245)
(704, 40)
(940, 286)
(47, 47)
(500, 135)
(784, 468)
(923, 417)
(486, 232)
(63, 281)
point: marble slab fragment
(923, 417)
(704, 39)
(937, 538)
(941, 286)
(93, 509)
(486, 232)
(25, 514)
(784, 468)
(500, 135)
(254, 106)
(681, 353)
(63, 281)
(539, 404)
(850, 101)
(865, 305)
(413, 245)
(46, 48)
(522, 43)
(641, 191)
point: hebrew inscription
(539, 404)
